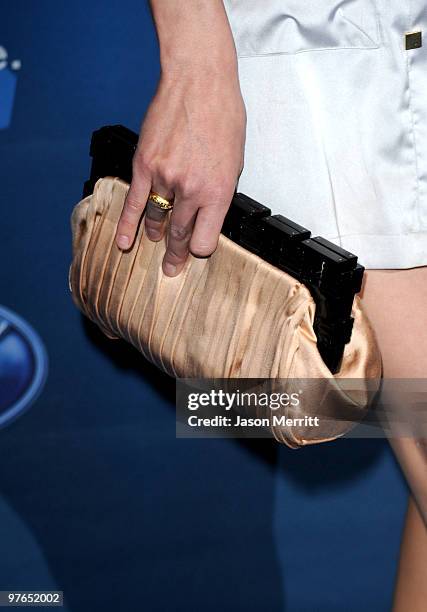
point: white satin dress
(337, 119)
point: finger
(181, 225)
(155, 217)
(207, 229)
(133, 208)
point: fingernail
(169, 269)
(123, 241)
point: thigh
(396, 304)
(395, 301)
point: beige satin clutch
(230, 315)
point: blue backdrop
(98, 497)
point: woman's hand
(191, 148)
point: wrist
(194, 36)
(197, 66)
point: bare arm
(192, 137)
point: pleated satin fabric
(231, 315)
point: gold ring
(160, 202)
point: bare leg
(411, 590)
(396, 303)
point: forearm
(193, 35)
